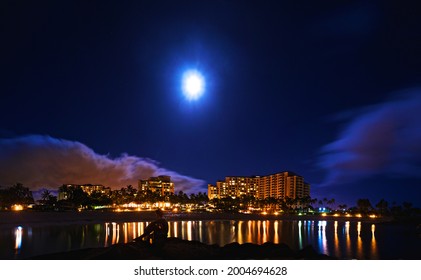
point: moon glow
(193, 85)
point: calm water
(345, 240)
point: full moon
(193, 85)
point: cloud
(384, 139)
(43, 161)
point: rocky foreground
(178, 249)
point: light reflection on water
(18, 239)
(359, 242)
(373, 242)
(322, 237)
(345, 240)
(327, 237)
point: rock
(277, 251)
(178, 249)
(308, 253)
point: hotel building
(279, 185)
(63, 193)
(161, 185)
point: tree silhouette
(47, 198)
(407, 208)
(342, 207)
(331, 202)
(97, 198)
(17, 194)
(75, 195)
(45, 195)
(364, 205)
(382, 207)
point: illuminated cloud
(384, 139)
(43, 161)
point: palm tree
(200, 199)
(193, 198)
(173, 199)
(183, 197)
(313, 202)
(97, 198)
(331, 202)
(364, 205)
(320, 202)
(247, 201)
(306, 202)
(382, 206)
(45, 195)
(289, 203)
(152, 197)
(131, 191)
(116, 197)
(129, 194)
(48, 198)
(270, 203)
(203, 198)
(79, 197)
(342, 206)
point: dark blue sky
(329, 90)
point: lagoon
(339, 238)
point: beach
(31, 218)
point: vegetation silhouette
(77, 199)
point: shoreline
(32, 218)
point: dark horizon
(93, 93)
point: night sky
(91, 92)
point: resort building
(161, 185)
(279, 185)
(234, 187)
(64, 190)
(89, 189)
